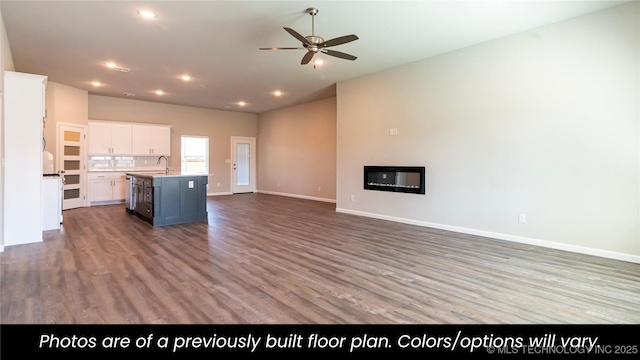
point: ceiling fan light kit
(315, 44)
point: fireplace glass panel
(395, 178)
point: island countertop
(152, 175)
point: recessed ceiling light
(318, 62)
(277, 93)
(185, 77)
(96, 83)
(147, 14)
(242, 103)
(159, 92)
(116, 67)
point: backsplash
(124, 163)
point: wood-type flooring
(265, 259)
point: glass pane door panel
(73, 136)
(242, 164)
(72, 150)
(71, 194)
(71, 165)
(72, 179)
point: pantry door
(243, 165)
(72, 165)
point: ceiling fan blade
(282, 48)
(338, 41)
(339, 54)
(298, 36)
(307, 57)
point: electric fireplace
(406, 179)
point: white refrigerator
(51, 202)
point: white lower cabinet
(107, 187)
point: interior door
(243, 161)
(72, 165)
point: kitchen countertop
(158, 174)
(125, 170)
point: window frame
(183, 143)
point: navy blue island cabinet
(163, 199)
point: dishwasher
(130, 199)
(143, 189)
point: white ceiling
(216, 42)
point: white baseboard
(298, 196)
(219, 193)
(24, 242)
(519, 239)
(108, 202)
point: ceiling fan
(315, 44)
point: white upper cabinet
(122, 138)
(99, 138)
(109, 138)
(151, 140)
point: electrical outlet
(278, 184)
(353, 198)
(319, 188)
(522, 217)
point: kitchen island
(167, 199)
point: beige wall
(6, 63)
(64, 104)
(297, 151)
(218, 125)
(5, 49)
(545, 123)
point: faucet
(166, 164)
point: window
(195, 155)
